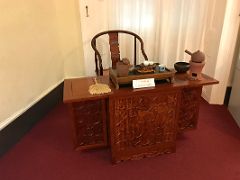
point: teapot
(123, 67)
(197, 63)
(197, 56)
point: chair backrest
(114, 48)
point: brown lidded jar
(123, 67)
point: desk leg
(189, 108)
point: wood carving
(143, 125)
(189, 108)
(114, 48)
(89, 124)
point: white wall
(235, 58)
(234, 102)
(212, 37)
(221, 55)
(70, 37)
(95, 23)
(37, 39)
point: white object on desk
(141, 83)
(147, 63)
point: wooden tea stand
(117, 81)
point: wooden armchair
(114, 48)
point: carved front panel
(89, 124)
(143, 125)
(189, 108)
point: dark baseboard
(12, 133)
(227, 95)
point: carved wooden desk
(136, 123)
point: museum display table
(135, 123)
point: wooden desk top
(76, 90)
